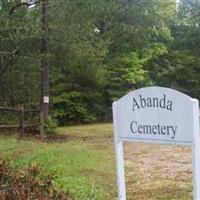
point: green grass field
(84, 164)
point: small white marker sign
(46, 99)
(156, 115)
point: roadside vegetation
(23, 185)
(81, 163)
(63, 63)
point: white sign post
(156, 115)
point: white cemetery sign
(156, 115)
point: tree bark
(45, 61)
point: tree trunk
(45, 61)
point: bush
(27, 185)
(8, 118)
(50, 126)
(71, 108)
(80, 107)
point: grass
(84, 165)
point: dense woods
(97, 51)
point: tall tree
(180, 67)
(19, 45)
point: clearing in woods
(83, 163)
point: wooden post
(21, 122)
(42, 132)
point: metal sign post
(119, 160)
(196, 150)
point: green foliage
(9, 119)
(180, 67)
(89, 192)
(19, 51)
(71, 107)
(50, 126)
(98, 52)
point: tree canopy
(98, 51)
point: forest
(96, 51)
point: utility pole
(45, 61)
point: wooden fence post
(21, 121)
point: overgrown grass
(77, 167)
(84, 165)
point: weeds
(26, 185)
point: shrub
(27, 185)
(50, 126)
(71, 108)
